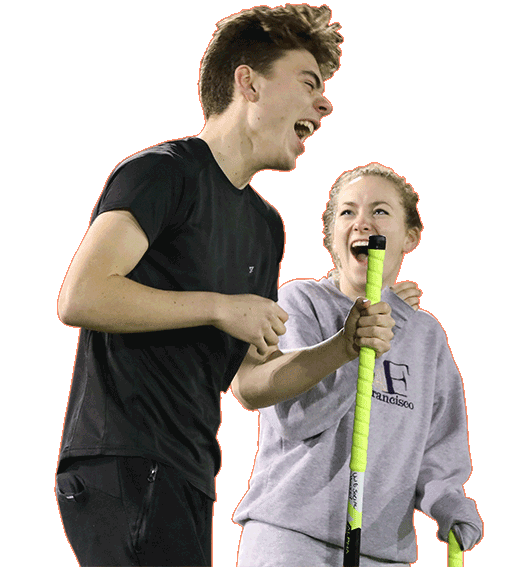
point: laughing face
(289, 108)
(368, 205)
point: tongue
(362, 258)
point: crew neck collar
(206, 147)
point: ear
(244, 82)
(412, 240)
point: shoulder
(173, 155)
(427, 318)
(429, 330)
(429, 321)
(300, 287)
(307, 292)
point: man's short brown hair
(259, 37)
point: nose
(323, 105)
(361, 223)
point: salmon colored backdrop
(436, 91)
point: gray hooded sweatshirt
(418, 454)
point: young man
(175, 278)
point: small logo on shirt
(251, 269)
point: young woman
(294, 513)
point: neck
(231, 148)
(346, 287)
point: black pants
(125, 511)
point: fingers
(352, 319)
(271, 337)
(377, 338)
(373, 325)
(408, 292)
(379, 345)
(375, 322)
(278, 327)
(269, 340)
(273, 330)
(261, 346)
(251, 318)
(378, 315)
(369, 326)
(281, 314)
(374, 330)
(358, 308)
(370, 336)
(403, 285)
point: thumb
(361, 303)
(354, 314)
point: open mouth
(359, 250)
(304, 129)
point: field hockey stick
(455, 554)
(364, 390)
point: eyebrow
(374, 204)
(316, 79)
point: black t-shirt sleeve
(273, 293)
(279, 239)
(150, 186)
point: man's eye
(310, 85)
(346, 212)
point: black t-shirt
(157, 394)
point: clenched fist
(251, 318)
(368, 326)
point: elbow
(68, 309)
(66, 314)
(236, 390)
(253, 402)
(245, 404)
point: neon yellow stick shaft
(455, 555)
(366, 368)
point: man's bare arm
(97, 295)
(267, 380)
(262, 382)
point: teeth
(307, 123)
(360, 243)
(304, 128)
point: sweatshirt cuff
(467, 535)
(454, 509)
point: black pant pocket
(141, 526)
(70, 488)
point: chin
(283, 164)
(289, 167)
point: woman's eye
(381, 211)
(346, 212)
